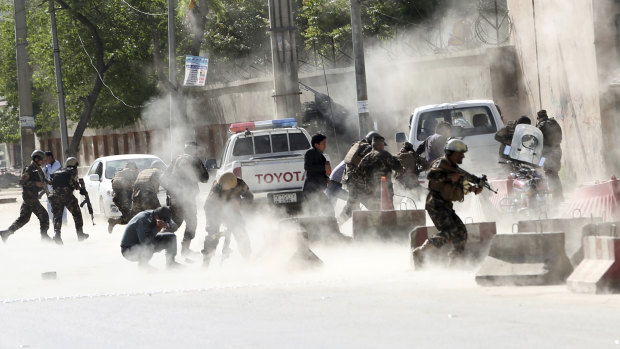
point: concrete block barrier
(479, 236)
(525, 259)
(599, 200)
(386, 225)
(599, 272)
(572, 228)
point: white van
(473, 121)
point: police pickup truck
(473, 121)
(269, 157)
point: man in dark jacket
(142, 237)
(317, 177)
(433, 145)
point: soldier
(504, 136)
(376, 164)
(64, 182)
(552, 152)
(142, 237)
(433, 145)
(122, 187)
(223, 206)
(181, 182)
(354, 182)
(445, 186)
(146, 187)
(52, 165)
(32, 181)
(413, 164)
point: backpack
(552, 132)
(124, 179)
(356, 153)
(62, 178)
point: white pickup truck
(473, 121)
(269, 157)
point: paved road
(364, 297)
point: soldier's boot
(209, 250)
(57, 238)
(45, 237)
(185, 250)
(81, 235)
(418, 254)
(5, 234)
(111, 223)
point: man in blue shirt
(142, 237)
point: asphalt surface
(365, 296)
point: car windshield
(467, 121)
(114, 165)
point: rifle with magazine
(45, 189)
(86, 200)
(481, 181)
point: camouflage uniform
(442, 191)
(222, 207)
(377, 164)
(145, 191)
(552, 152)
(122, 192)
(412, 164)
(31, 176)
(355, 183)
(181, 182)
(63, 197)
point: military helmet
(158, 164)
(37, 153)
(371, 135)
(71, 162)
(455, 145)
(132, 165)
(227, 181)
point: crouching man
(142, 237)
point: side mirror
(400, 137)
(94, 177)
(211, 164)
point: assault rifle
(481, 181)
(45, 182)
(86, 200)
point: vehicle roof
(472, 102)
(271, 130)
(126, 156)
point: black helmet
(37, 154)
(371, 135)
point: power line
(142, 12)
(103, 82)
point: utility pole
(24, 87)
(360, 68)
(64, 138)
(284, 57)
(172, 73)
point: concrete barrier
(599, 272)
(600, 200)
(525, 259)
(479, 236)
(572, 228)
(386, 225)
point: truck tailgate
(274, 174)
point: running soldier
(122, 187)
(32, 181)
(181, 182)
(552, 152)
(64, 182)
(354, 182)
(375, 165)
(223, 206)
(413, 164)
(146, 187)
(445, 186)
